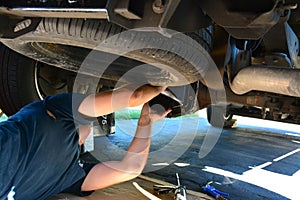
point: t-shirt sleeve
(76, 187)
(65, 107)
(79, 118)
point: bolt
(158, 6)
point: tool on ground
(210, 190)
(179, 190)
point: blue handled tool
(214, 192)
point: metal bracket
(14, 27)
(123, 8)
(181, 99)
(293, 44)
(169, 11)
(239, 58)
(188, 95)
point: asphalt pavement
(255, 160)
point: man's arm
(113, 172)
(108, 102)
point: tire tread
(88, 33)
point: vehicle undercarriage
(252, 45)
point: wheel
(24, 80)
(17, 86)
(219, 117)
(66, 43)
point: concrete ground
(127, 191)
(256, 160)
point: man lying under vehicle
(40, 144)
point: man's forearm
(112, 172)
(108, 102)
(142, 136)
(144, 94)
(137, 153)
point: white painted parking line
(296, 141)
(269, 180)
(278, 183)
(286, 155)
(261, 166)
(275, 160)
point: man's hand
(144, 94)
(149, 116)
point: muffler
(283, 81)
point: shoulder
(64, 99)
(65, 105)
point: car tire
(218, 117)
(24, 80)
(21, 84)
(66, 42)
(17, 86)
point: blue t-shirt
(39, 154)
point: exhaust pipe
(268, 79)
